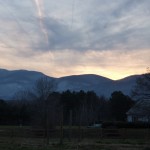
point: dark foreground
(25, 138)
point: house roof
(141, 108)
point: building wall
(131, 118)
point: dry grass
(21, 138)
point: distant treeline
(67, 108)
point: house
(140, 112)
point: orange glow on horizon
(67, 62)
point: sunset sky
(110, 38)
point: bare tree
(43, 89)
(22, 102)
(142, 87)
(24, 96)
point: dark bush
(125, 125)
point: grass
(87, 144)
(124, 141)
(21, 138)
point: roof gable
(142, 107)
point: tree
(92, 102)
(46, 103)
(120, 104)
(3, 112)
(21, 104)
(142, 87)
(43, 88)
(104, 113)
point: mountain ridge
(12, 81)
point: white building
(140, 112)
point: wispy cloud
(81, 34)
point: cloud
(98, 25)
(122, 26)
(113, 64)
(83, 37)
(61, 36)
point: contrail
(72, 19)
(38, 8)
(41, 16)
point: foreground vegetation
(74, 108)
(59, 121)
(75, 146)
(26, 138)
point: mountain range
(16, 80)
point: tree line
(43, 107)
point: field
(27, 138)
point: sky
(110, 38)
